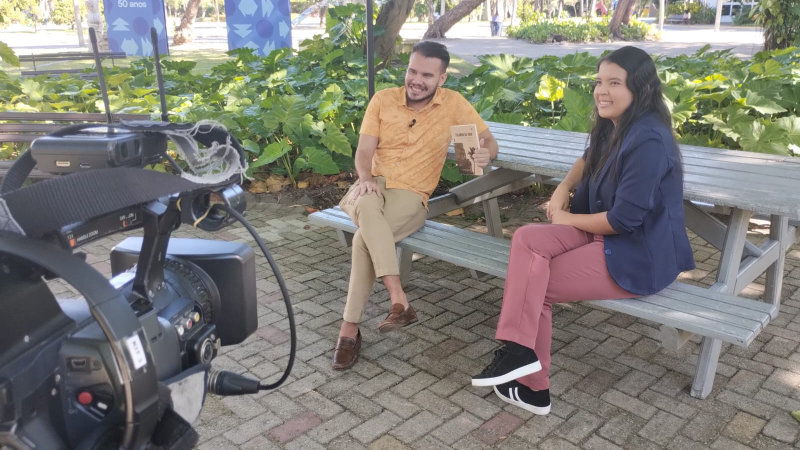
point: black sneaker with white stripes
(516, 393)
(510, 362)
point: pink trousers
(550, 264)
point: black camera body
(71, 381)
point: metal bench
(681, 306)
(21, 127)
(64, 57)
(675, 18)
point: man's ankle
(348, 329)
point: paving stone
(629, 404)
(621, 427)
(745, 383)
(783, 382)
(579, 426)
(436, 405)
(335, 427)
(662, 428)
(538, 428)
(414, 384)
(744, 427)
(396, 404)
(497, 428)
(597, 382)
(723, 443)
(474, 404)
(668, 404)
(456, 428)
(598, 443)
(359, 405)
(375, 427)
(635, 382)
(783, 427)
(294, 427)
(416, 427)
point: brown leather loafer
(397, 318)
(345, 355)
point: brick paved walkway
(612, 385)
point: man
(401, 151)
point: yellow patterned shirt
(412, 145)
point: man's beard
(409, 100)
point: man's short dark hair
(431, 49)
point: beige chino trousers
(381, 223)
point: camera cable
(229, 383)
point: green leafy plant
(781, 22)
(538, 27)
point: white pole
(719, 16)
(441, 13)
(78, 24)
(661, 11)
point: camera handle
(119, 324)
(159, 222)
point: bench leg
(706, 367)
(672, 338)
(404, 257)
(491, 211)
(345, 238)
(778, 231)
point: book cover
(466, 142)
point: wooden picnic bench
(743, 183)
(64, 57)
(26, 126)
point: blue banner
(263, 25)
(128, 24)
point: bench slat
(678, 319)
(68, 116)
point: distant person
(600, 8)
(495, 24)
(687, 16)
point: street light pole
(370, 53)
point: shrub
(539, 28)
(701, 14)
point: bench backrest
(26, 126)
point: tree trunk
(95, 20)
(487, 13)
(621, 15)
(392, 16)
(445, 22)
(184, 33)
(430, 11)
(513, 12)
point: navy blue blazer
(644, 202)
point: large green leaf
(33, 89)
(271, 153)
(7, 55)
(332, 99)
(791, 125)
(761, 104)
(320, 161)
(551, 89)
(450, 172)
(764, 138)
(336, 141)
(502, 64)
(287, 111)
(331, 56)
(578, 103)
(509, 118)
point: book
(466, 142)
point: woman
(623, 237)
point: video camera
(127, 365)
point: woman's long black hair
(605, 139)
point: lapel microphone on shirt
(413, 121)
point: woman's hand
(559, 201)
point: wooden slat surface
(697, 310)
(67, 116)
(767, 184)
(69, 56)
